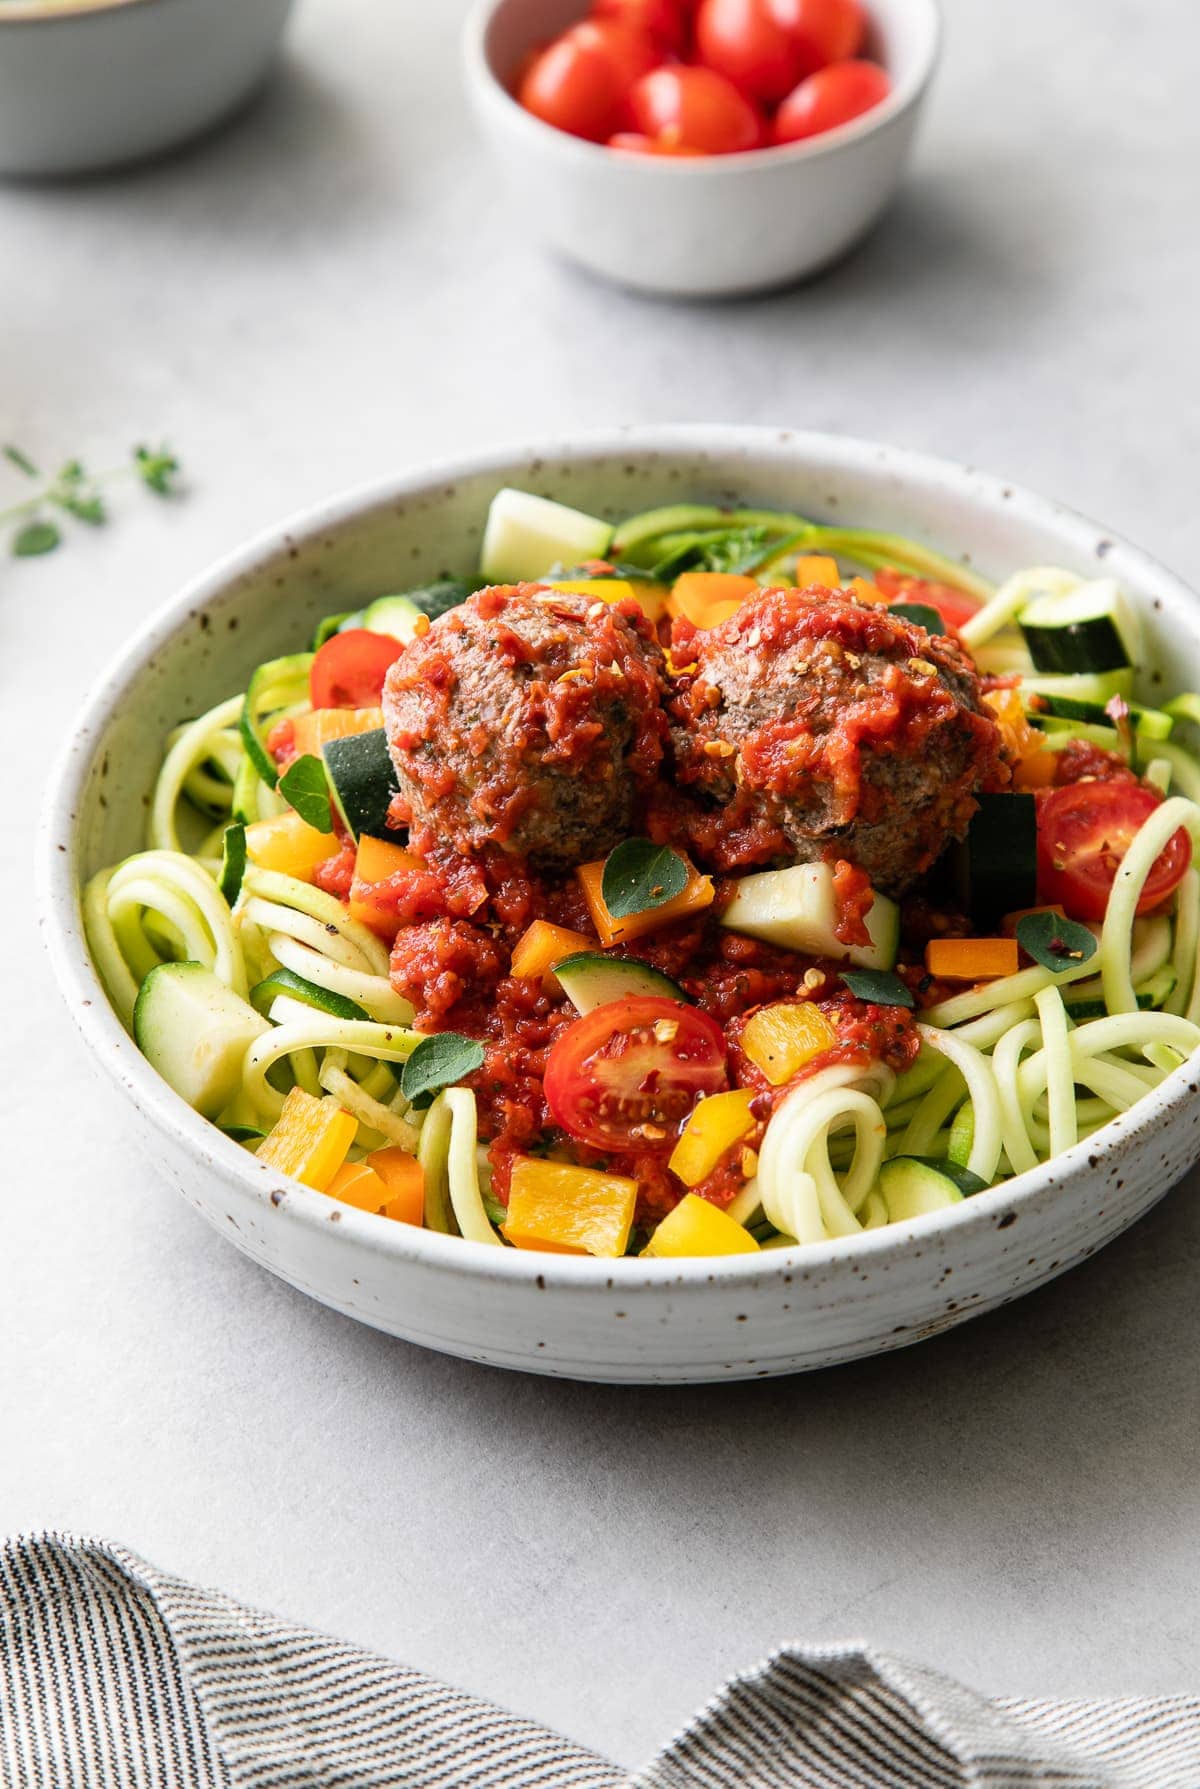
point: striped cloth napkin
(114, 1675)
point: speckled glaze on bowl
(697, 227)
(631, 1320)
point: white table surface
(332, 290)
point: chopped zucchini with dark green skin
(996, 865)
(280, 683)
(590, 979)
(1086, 629)
(298, 987)
(915, 1185)
(362, 778)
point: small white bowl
(702, 227)
(782, 1311)
(89, 84)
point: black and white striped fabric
(116, 1676)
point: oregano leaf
(640, 875)
(1054, 942)
(878, 986)
(440, 1060)
(305, 787)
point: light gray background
(333, 290)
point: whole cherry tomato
(696, 108)
(634, 143)
(743, 40)
(575, 87)
(831, 97)
(661, 20)
(953, 605)
(822, 31)
(632, 52)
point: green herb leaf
(1055, 943)
(640, 875)
(878, 986)
(440, 1060)
(34, 538)
(243, 1133)
(89, 509)
(156, 467)
(920, 614)
(20, 460)
(233, 861)
(305, 787)
(720, 549)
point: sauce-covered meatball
(829, 728)
(526, 719)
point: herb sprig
(74, 491)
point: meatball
(829, 728)
(529, 720)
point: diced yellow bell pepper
(780, 1039)
(289, 845)
(542, 946)
(697, 1228)
(309, 1140)
(651, 598)
(696, 895)
(707, 598)
(578, 1211)
(866, 592)
(818, 568)
(713, 1127)
(315, 729)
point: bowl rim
(488, 86)
(58, 883)
(34, 12)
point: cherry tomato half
(742, 40)
(822, 31)
(1084, 830)
(697, 108)
(627, 1075)
(662, 20)
(954, 606)
(575, 87)
(830, 97)
(348, 671)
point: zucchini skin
(363, 780)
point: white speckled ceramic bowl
(698, 227)
(88, 84)
(780, 1312)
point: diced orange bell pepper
(542, 945)
(713, 1127)
(818, 568)
(781, 1039)
(696, 894)
(866, 592)
(576, 1210)
(374, 862)
(357, 1184)
(707, 598)
(697, 1228)
(650, 598)
(289, 845)
(971, 959)
(1010, 922)
(310, 1139)
(313, 730)
(403, 1180)
(1036, 771)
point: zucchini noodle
(176, 889)
(1115, 940)
(796, 1183)
(317, 1030)
(197, 742)
(453, 1200)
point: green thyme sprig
(74, 491)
